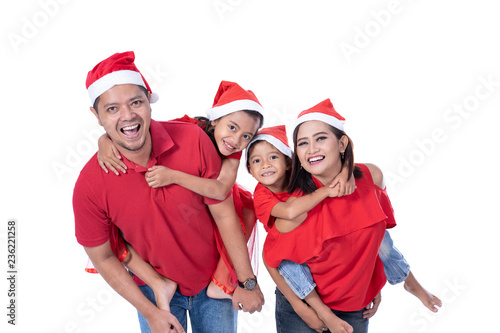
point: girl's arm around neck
(295, 207)
(290, 214)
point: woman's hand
(373, 306)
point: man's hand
(164, 322)
(248, 300)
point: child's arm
(295, 207)
(340, 186)
(308, 315)
(211, 188)
(108, 156)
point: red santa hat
(232, 98)
(115, 70)
(324, 112)
(276, 136)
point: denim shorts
(395, 266)
(298, 277)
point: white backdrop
(418, 81)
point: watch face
(250, 284)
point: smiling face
(268, 166)
(318, 150)
(234, 132)
(125, 114)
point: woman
(340, 238)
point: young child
(269, 162)
(232, 122)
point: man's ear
(94, 111)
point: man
(170, 227)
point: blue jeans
(300, 280)
(206, 314)
(288, 321)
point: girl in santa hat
(268, 161)
(231, 123)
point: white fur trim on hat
(275, 142)
(238, 105)
(335, 122)
(108, 81)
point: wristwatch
(248, 284)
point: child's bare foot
(164, 290)
(429, 300)
(213, 291)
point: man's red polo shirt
(170, 227)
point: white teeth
(315, 159)
(128, 128)
(268, 173)
(229, 146)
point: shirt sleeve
(264, 202)
(385, 204)
(92, 226)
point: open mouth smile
(315, 159)
(228, 146)
(130, 131)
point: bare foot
(164, 290)
(213, 291)
(429, 300)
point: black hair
(302, 180)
